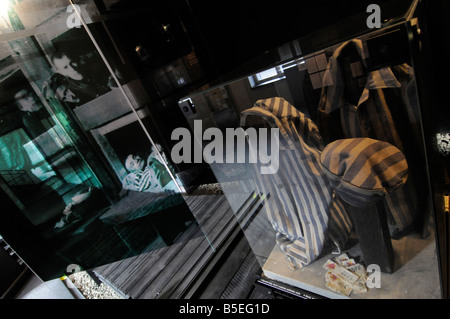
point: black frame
(435, 114)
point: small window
(268, 74)
(273, 74)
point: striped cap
(363, 170)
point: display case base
(415, 274)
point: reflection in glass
(75, 186)
(332, 97)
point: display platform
(415, 275)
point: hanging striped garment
(302, 207)
(372, 117)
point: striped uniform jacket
(362, 170)
(302, 207)
(153, 178)
(142, 181)
(372, 117)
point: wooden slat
(127, 268)
(242, 282)
(117, 273)
(228, 266)
(181, 261)
(223, 224)
(109, 269)
(145, 274)
(242, 206)
(166, 272)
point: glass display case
(140, 138)
(328, 147)
(86, 177)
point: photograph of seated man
(148, 175)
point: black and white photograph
(56, 93)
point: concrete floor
(35, 288)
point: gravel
(90, 289)
(208, 189)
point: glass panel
(82, 156)
(325, 169)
